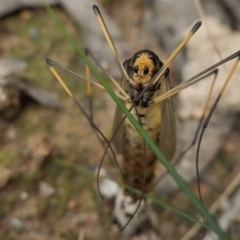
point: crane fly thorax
(149, 118)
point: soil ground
(49, 157)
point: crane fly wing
(118, 138)
(167, 143)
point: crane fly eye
(135, 69)
(146, 70)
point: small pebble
(23, 196)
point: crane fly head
(141, 68)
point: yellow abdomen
(138, 157)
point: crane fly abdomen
(138, 157)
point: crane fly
(146, 94)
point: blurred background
(48, 152)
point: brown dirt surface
(48, 157)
